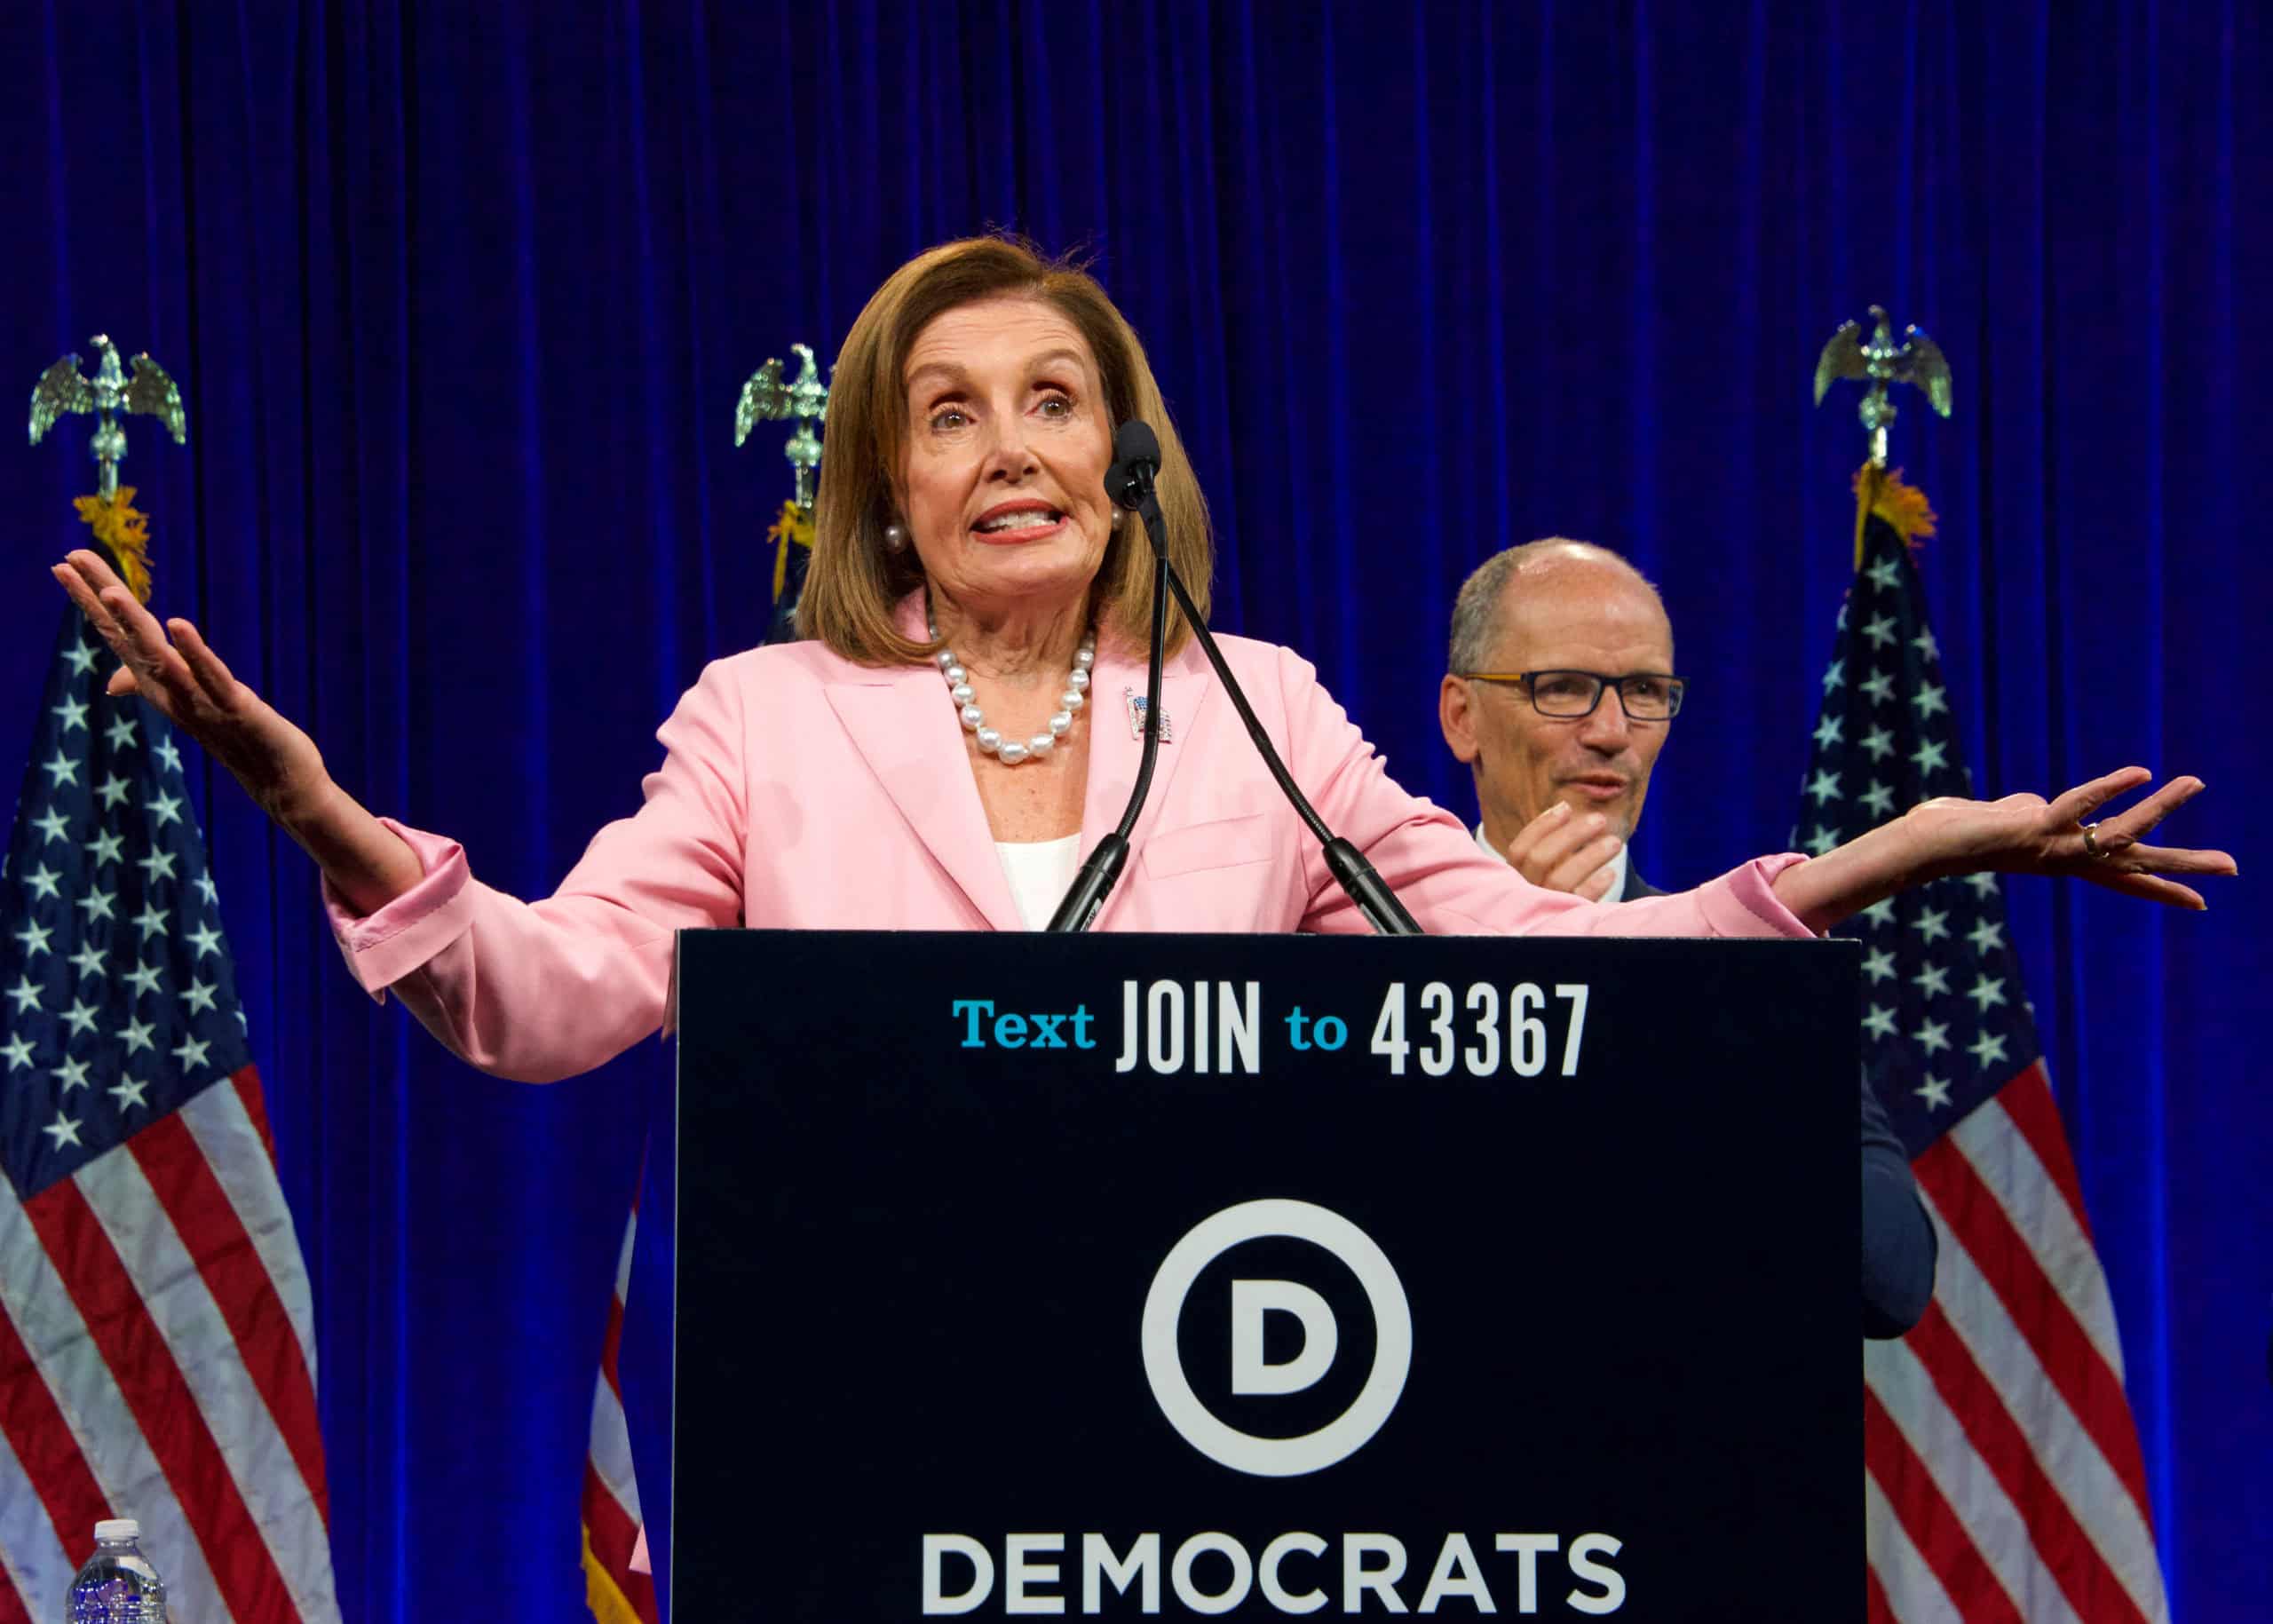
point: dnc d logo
(1252, 1373)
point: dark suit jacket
(1636, 887)
(1899, 1246)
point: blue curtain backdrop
(460, 297)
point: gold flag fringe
(124, 529)
(794, 525)
(1881, 491)
(609, 1605)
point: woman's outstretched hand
(2025, 833)
(2021, 834)
(169, 664)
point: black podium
(1130, 1276)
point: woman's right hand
(367, 863)
(188, 684)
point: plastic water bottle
(118, 1585)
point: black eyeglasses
(1645, 696)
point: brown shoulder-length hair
(853, 582)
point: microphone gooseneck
(1078, 909)
(1128, 482)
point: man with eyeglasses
(1559, 694)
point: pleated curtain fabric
(460, 300)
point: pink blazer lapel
(893, 718)
(1115, 748)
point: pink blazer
(801, 791)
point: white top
(1617, 866)
(1039, 872)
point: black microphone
(1129, 483)
(1136, 462)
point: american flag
(616, 1591)
(2002, 1477)
(157, 1358)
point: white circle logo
(1210, 1238)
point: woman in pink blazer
(957, 733)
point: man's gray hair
(1475, 611)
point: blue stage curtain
(460, 297)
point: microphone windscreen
(1135, 442)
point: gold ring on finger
(2091, 843)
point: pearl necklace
(1010, 752)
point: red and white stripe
(154, 1363)
(617, 1592)
(2003, 1480)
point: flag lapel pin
(1136, 718)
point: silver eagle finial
(1917, 360)
(61, 388)
(805, 398)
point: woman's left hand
(2022, 834)
(2026, 834)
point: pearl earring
(895, 538)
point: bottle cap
(118, 1528)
